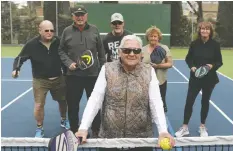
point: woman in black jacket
(204, 51)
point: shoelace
(203, 129)
(183, 129)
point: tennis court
(17, 104)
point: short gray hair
(131, 37)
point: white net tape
(138, 34)
(123, 142)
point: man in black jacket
(76, 39)
(47, 73)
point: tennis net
(211, 143)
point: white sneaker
(203, 131)
(182, 131)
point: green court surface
(226, 69)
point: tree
(224, 25)
(50, 11)
(5, 22)
(64, 7)
(64, 16)
(198, 13)
(178, 22)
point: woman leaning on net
(127, 92)
(204, 59)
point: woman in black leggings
(203, 51)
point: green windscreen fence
(138, 18)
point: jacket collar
(53, 39)
(134, 72)
(87, 26)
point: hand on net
(82, 136)
(166, 141)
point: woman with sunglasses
(153, 37)
(123, 91)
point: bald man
(47, 72)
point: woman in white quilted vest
(127, 92)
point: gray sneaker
(182, 132)
(203, 131)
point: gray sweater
(74, 42)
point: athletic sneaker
(65, 124)
(203, 131)
(182, 131)
(39, 132)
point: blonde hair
(151, 30)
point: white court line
(139, 34)
(178, 59)
(211, 102)
(177, 82)
(225, 76)
(7, 57)
(18, 97)
(13, 80)
(173, 59)
(217, 71)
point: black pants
(133, 149)
(193, 90)
(75, 87)
(163, 90)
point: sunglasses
(47, 30)
(77, 14)
(117, 23)
(129, 50)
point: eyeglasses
(129, 50)
(49, 30)
(205, 28)
(117, 23)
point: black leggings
(193, 90)
(75, 87)
(163, 90)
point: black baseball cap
(78, 9)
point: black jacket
(201, 53)
(74, 42)
(45, 63)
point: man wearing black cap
(77, 39)
(112, 39)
